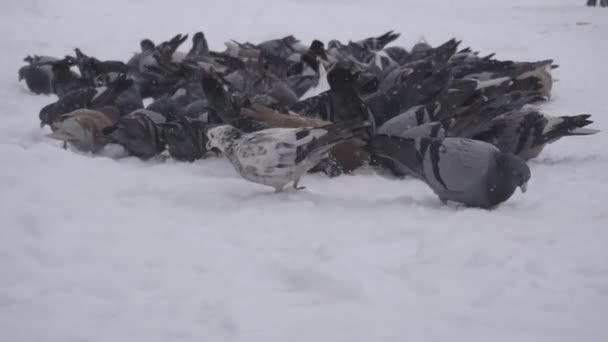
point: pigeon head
(46, 115)
(340, 77)
(289, 40)
(23, 71)
(221, 137)
(198, 36)
(317, 48)
(147, 45)
(334, 44)
(514, 170)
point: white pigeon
(278, 156)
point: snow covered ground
(97, 249)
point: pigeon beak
(42, 124)
(524, 187)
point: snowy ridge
(100, 249)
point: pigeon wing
(458, 165)
(274, 147)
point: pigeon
(170, 106)
(76, 99)
(340, 103)
(38, 74)
(91, 68)
(139, 133)
(467, 171)
(199, 109)
(87, 97)
(199, 49)
(185, 138)
(150, 53)
(83, 128)
(220, 100)
(65, 80)
(413, 91)
(166, 50)
(526, 132)
(278, 156)
(283, 47)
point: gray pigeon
(467, 171)
(278, 156)
(526, 132)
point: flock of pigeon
(461, 122)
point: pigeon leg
(295, 185)
(65, 144)
(604, 3)
(592, 3)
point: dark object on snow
(603, 3)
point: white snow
(98, 249)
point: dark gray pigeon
(199, 49)
(87, 97)
(467, 171)
(340, 103)
(283, 47)
(279, 156)
(185, 138)
(139, 133)
(38, 74)
(65, 80)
